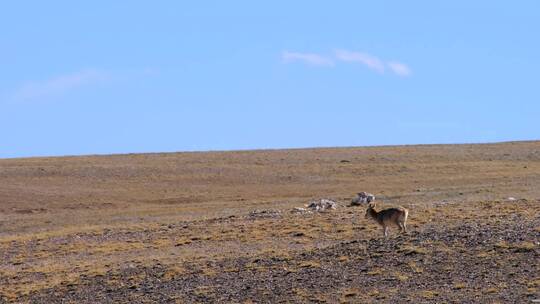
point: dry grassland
(217, 226)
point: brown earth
(217, 227)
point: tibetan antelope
(391, 216)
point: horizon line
(269, 149)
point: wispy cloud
(399, 68)
(58, 85)
(307, 58)
(370, 61)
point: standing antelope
(386, 217)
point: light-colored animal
(361, 198)
(387, 217)
(322, 205)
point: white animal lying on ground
(322, 205)
(362, 198)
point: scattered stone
(264, 214)
(300, 210)
(442, 203)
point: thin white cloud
(307, 58)
(58, 85)
(399, 68)
(370, 61)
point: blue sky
(100, 77)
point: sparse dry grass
(429, 294)
(414, 267)
(458, 286)
(400, 276)
(374, 272)
(409, 250)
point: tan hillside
(217, 226)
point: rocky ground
(491, 258)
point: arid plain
(217, 226)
